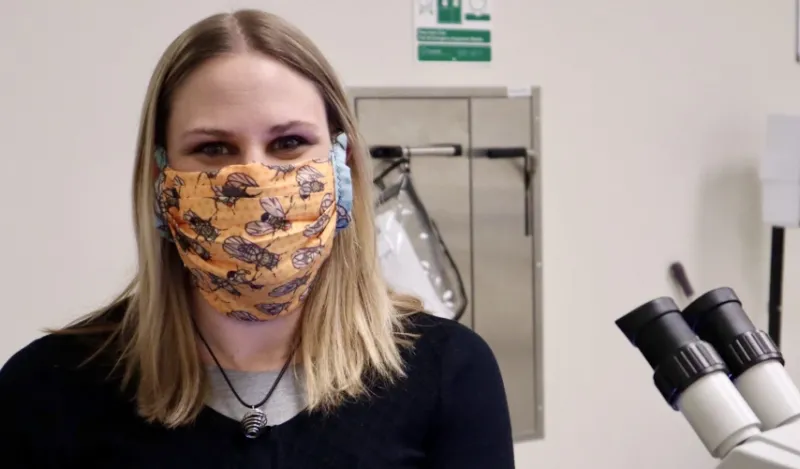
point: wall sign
(453, 30)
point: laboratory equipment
(754, 362)
(724, 375)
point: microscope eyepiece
(754, 361)
(675, 353)
(691, 375)
(657, 329)
(718, 317)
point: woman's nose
(254, 153)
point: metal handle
(528, 156)
(502, 153)
(383, 152)
(400, 152)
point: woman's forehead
(241, 89)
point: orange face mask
(254, 236)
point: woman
(258, 332)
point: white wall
(653, 122)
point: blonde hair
(352, 327)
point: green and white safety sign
(453, 30)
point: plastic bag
(413, 257)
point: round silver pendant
(254, 422)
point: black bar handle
(510, 152)
(527, 195)
(499, 153)
(382, 152)
(775, 304)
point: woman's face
(245, 108)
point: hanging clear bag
(413, 256)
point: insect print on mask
(231, 282)
(303, 258)
(309, 180)
(251, 253)
(212, 174)
(235, 279)
(289, 287)
(185, 243)
(243, 316)
(235, 187)
(281, 170)
(273, 219)
(254, 237)
(202, 227)
(319, 226)
(305, 293)
(170, 198)
(342, 218)
(272, 309)
(166, 199)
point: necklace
(255, 420)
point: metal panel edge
(538, 432)
(538, 284)
(428, 92)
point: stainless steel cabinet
(487, 209)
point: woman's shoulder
(57, 385)
(48, 358)
(64, 359)
(444, 335)
(455, 381)
(456, 349)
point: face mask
(254, 236)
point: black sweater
(449, 412)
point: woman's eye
(288, 143)
(213, 149)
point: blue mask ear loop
(343, 182)
(160, 222)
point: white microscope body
(725, 376)
(778, 448)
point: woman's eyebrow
(275, 129)
(208, 131)
(292, 125)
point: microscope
(724, 375)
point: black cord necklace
(255, 420)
